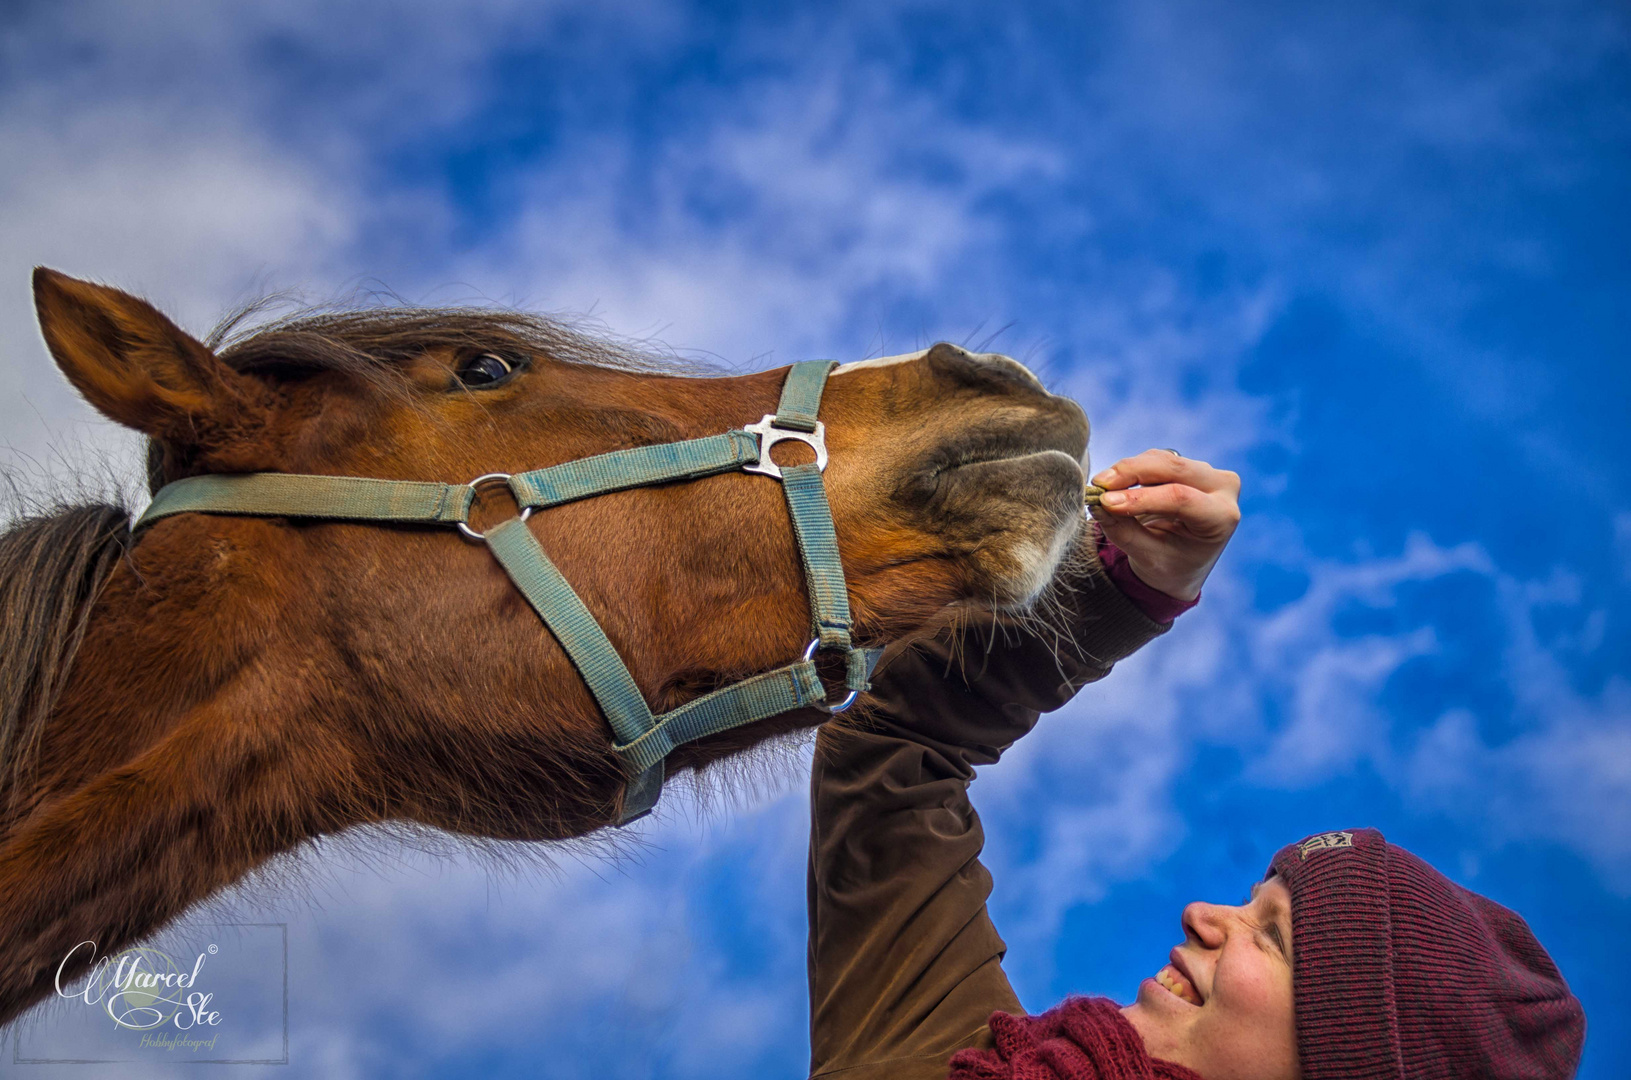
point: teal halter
(642, 740)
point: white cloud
(814, 221)
(1155, 365)
(1560, 774)
(185, 220)
(1564, 774)
(1335, 722)
(1567, 782)
(1324, 684)
(397, 953)
(196, 154)
(317, 69)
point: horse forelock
(379, 341)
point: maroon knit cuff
(1081, 1038)
(1155, 605)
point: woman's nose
(1206, 923)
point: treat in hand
(1173, 516)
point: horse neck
(164, 774)
(140, 669)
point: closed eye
(1273, 931)
(1270, 931)
(1268, 938)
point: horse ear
(136, 366)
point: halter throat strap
(641, 739)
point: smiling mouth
(1170, 979)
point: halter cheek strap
(640, 738)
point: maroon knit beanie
(1398, 972)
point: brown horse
(182, 705)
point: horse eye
(488, 369)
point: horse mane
(52, 567)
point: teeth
(1169, 978)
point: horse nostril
(990, 372)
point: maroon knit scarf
(1079, 1039)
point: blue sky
(1374, 257)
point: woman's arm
(905, 965)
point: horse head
(265, 680)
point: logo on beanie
(1324, 842)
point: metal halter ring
(830, 710)
(769, 435)
(487, 478)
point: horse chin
(1031, 567)
(1017, 517)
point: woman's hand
(1172, 516)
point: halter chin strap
(640, 738)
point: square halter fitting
(769, 435)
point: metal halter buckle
(769, 435)
(488, 478)
(830, 710)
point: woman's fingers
(1165, 467)
(1171, 515)
(1205, 515)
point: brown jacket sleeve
(905, 966)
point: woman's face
(1223, 1005)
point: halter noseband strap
(641, 739)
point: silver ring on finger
(1171, 451)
